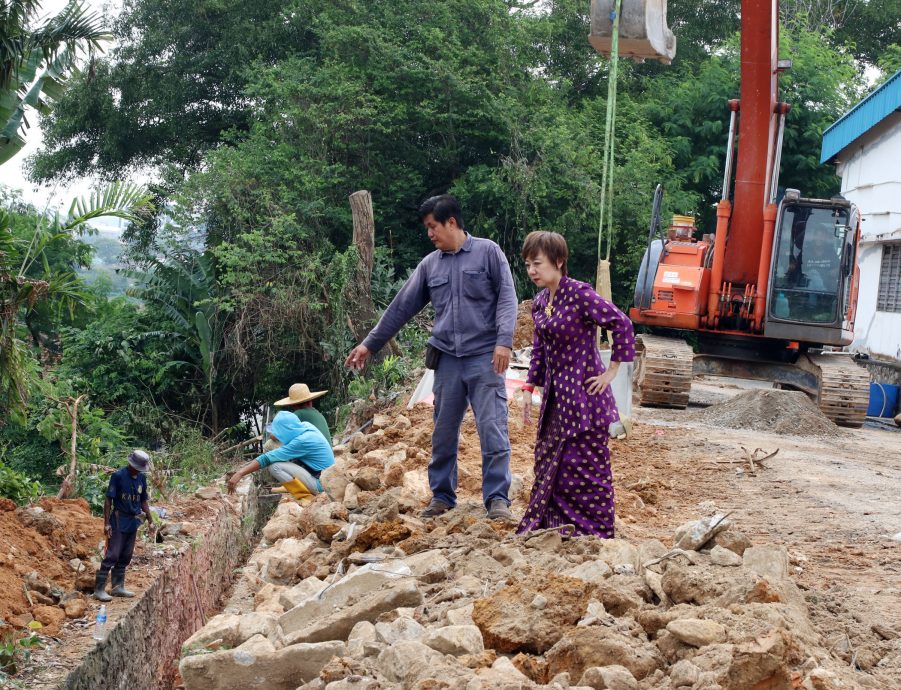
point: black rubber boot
(118, 583)
(100, 586)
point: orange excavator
(775, 287)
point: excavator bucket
(643, 33)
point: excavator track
(663, 378)
(844, 389)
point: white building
(865, 145)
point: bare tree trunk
(363, 312)
(67, 490)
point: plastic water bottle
(781, 307)
(100, 625)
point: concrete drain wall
(143, 649)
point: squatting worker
(126, 500)
(297, 463)
(573, 479)
(468, 281)
(300, 402)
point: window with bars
(889, 298)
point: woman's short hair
(551, 244)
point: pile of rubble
(359, 593)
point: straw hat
(299, 393)
(139, 460)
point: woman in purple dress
(573, 481)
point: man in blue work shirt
(126, 499)
(468, 281)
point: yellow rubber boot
(298, 491)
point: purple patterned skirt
(573, 485)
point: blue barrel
(883, 400)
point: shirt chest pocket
(439, 291)
(477, 285)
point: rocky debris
(724, 557)
(697, 633)
(355, 591)
(613, 677)
(257, 664)
(782, 412)
(692, 536)
(510, 623)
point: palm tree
(36, 59)
(26, 277)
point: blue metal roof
(862, 117)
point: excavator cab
(643, 33)
(812, 269)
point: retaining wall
(142, 650)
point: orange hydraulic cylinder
(763, 269)
(723, 212)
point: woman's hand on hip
(598, 384)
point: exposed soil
(774, 411)
(38, 548)
(522, 336)
(42, 539)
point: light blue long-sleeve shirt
(301, 442)
(473, 296)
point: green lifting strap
(607, 173)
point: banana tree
(183, 287)
(27, 278)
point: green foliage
(15, 654)
(92, 487)
(37, 56)
(187, 463)
(17, 486)
(37, 254)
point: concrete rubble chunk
(223, 626)
(582, 648)
(460, 616)
(733, 540)
(502, 674)
(255, 667)
(696, 632)
(381, 421)
(595, 613)
(428, 566)
(401, 629)
(368, 479)
(684, 674)
(415, 486)
(257, 644)
(695, 534)
(611, 677)
(590, 571)
(456, 640)
(368, 578)
(285, 523)
(279, 563)
(724, 557)
(510, 624)
(768, 561)
(618, 552)
(311, 586)
(361, 596)
(266, 599)
(408, 661)
(334, 479)
(382, 456)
